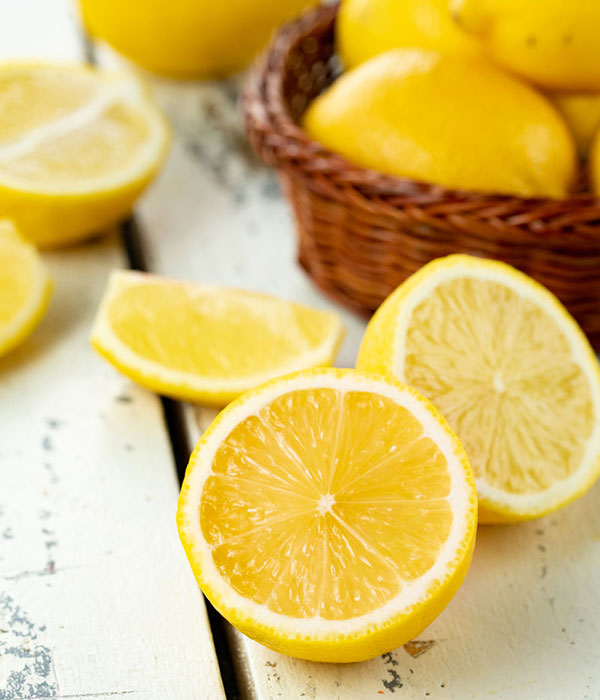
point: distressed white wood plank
(526, 623)
(96, 598)
(38, 29)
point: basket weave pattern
(361, 233)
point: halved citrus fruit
(77, 146)
(203, 343)
(25, 287)
(511, 371)
(329, 514)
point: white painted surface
(526, 623)
(96, 598)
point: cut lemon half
(25, 287)
(511, 371)
(329, 514)
(209, 344)
(77, 147)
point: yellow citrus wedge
(203, 343)
(329, 514)
(511, 371)
(77, 147)
(25, 288)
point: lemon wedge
(25, 287)
(77, 147)
(329, 514)
(511, 371)
(203, 343)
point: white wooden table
(96, 598)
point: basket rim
(265, 109)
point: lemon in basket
(77, 147)
(581, 111)
(511, 371)
(552, 43)
(365, 28)
(329, 514)
(25, 288)
(448, 120)
(188, 38)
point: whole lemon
(448, 120)
(594, 163)
(553, 43)
(581, 111)
(365, 28)
(188, 38)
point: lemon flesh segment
(77, 147)
(25, 288)
(205, 343)
(329, 506)
(509, 369)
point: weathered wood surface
(526, 624)
(96, 598)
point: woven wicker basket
(361, 232)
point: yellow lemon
(594, 163)
(448, 120)
(25, 288)
(365, 28)
(581, 111)
(510, 370)
(205, 343)
(329, 514)
(553, 43)
(77, 147)
(188, 38)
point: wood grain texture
(526, 624)
(96, 598)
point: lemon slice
(77, 147)
(25, 288)
(510, 370)
(203, 343)
(329, 514)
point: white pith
(103, 333)
(317, 627)
(527, 503)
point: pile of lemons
(487, 95)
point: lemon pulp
(505, 378)
(346, 479)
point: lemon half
(77, 147)
(25, 287)
(329, 514)
(511, 371)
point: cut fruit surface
(329, 514)
(77, 146)
(25, 287)
(205, 343)
(510, 370)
